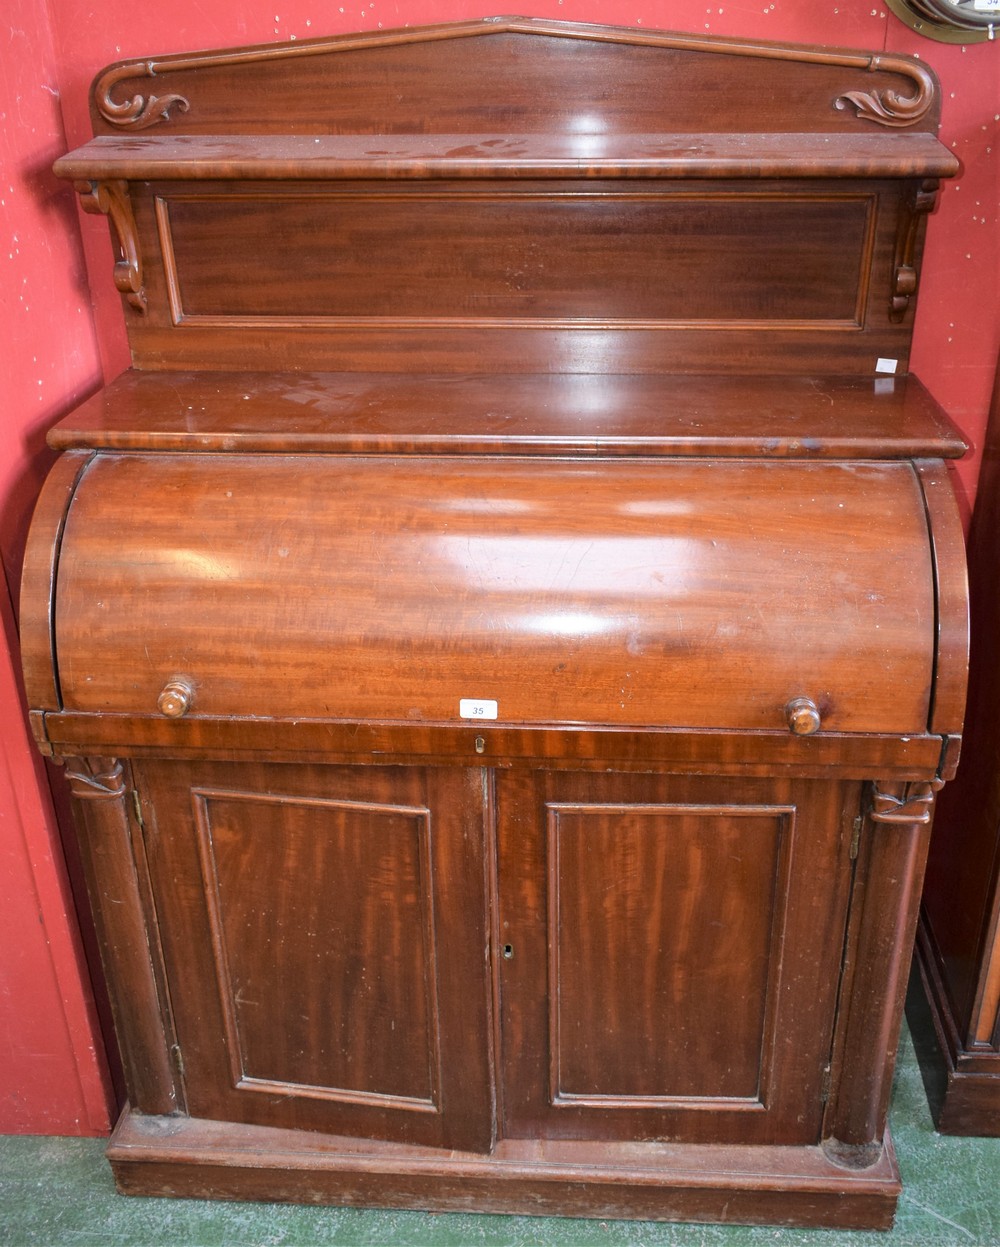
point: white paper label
(477, 708)
(886, 365)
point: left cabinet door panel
(325, 935)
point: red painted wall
(51, 1073)
(60, 339)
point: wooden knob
(803, 716)
(175, 699)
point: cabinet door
(324, 932)
(671, 950)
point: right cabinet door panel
(671, 949)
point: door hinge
(856, 836)
(178, 1056)
(137, 807)
(824, 1084)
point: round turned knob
(175, 699)
(803, 716)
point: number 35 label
(477, 708)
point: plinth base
(791, 1186)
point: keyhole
(508, 951)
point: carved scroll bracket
(904, 267)
(140, 111)
(112, 200)
(96, 779)
(889, 107)
(912, 804)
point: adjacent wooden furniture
(507, 632)
(958, 947)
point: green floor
(59, 1191)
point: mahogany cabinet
(506, 633)
(957, 1030)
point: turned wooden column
(892, 854)
(114, 865)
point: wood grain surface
(700, 594)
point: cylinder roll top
(698, 594)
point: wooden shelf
(351, 156)
(579, 414)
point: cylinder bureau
(507, 630)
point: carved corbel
(904, 281)
(111, 199)
(140, 111)
(913, 803)
(96, 779)
(889, 107)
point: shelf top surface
(813, 417)
(326, 157)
